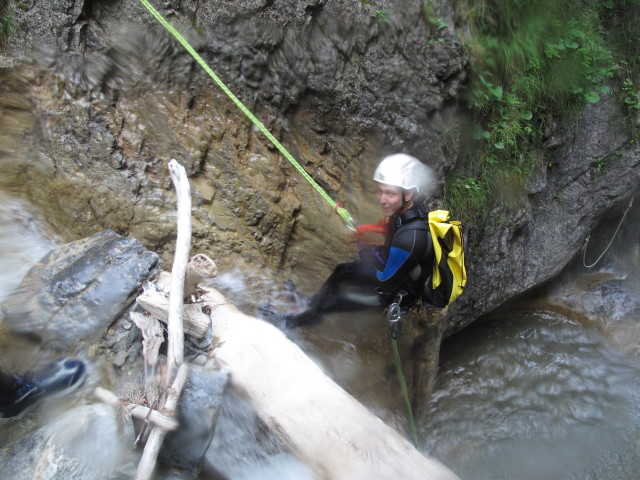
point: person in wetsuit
(402, 264)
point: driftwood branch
(200, 267)
(138, 411)
(330, 431)
(152, 337)
(175, 339)
(156, 437)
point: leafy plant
(468, 196)
(381, 16)
(7, 23)
(431, 17)
(378, 14)
(599, 165)
(531, 62)
(631, 96)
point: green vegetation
(436, 23)
(430, 15)
(7, 24)
(599, 165)
(381, 16)
(533, 62)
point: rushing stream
(525, 394)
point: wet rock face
(567, 199)
(114, 98)
(71, 297)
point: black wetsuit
(403, 263)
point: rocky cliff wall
(593, 175)
(106, 98)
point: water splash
(243, 448)
(22, 241)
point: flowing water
(531, 395)
(22, 241)
(526, 394)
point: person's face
(390, 198)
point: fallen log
(320, 423)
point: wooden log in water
(324, 426)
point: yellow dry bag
(449, 274)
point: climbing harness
(586, 240)
(395, 330)
(342, 212)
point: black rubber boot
(55, 378)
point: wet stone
(198, 414)
(120, 359)
(75, 293)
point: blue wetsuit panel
(397, 256)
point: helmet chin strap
(405, 202)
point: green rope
(395, 330)
(346, 218)
(405, 391)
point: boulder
(77, 290)
(198, 414)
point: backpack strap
(409, 216)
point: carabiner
(393, 316)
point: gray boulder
(185, 448)
(70, 298)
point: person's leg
(350, 287)
(425, 354)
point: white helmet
(404, 171)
